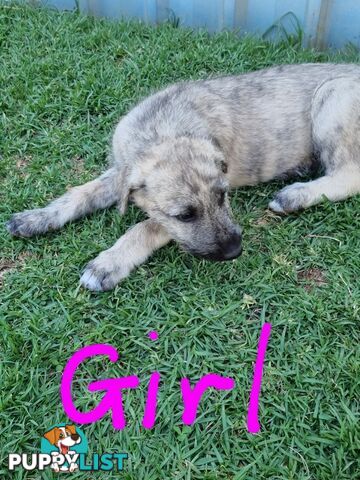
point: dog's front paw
(55, 467)
(290, 199)
(102, 274)
(73, 467)
(28, 223)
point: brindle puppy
(177, 152)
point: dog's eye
(188, 216)
(61, 435)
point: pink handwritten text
(113, 388)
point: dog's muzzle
(228, 249)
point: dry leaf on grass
(312, 277)
(7, 265)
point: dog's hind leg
(336, 135)
(132, 249)
(339, 186)
(77, 202)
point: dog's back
(261, 120)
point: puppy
(177, 153)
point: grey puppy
(177, 152)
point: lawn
(65, 79)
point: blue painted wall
(324, 22)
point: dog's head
(63, 437)
(183, 186)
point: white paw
(104, 273)
(73, 467)
(276, 207)
(90, 280)
(291, 198)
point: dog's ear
(130, 181)
(222, 165)
(71, 428)
(220, 162)
(52, 435)
(124, 189)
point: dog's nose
(75, 437)
(231, 248)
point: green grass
(64, 81)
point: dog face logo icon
(64, 443)
(63, 438)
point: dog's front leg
(132, 249)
